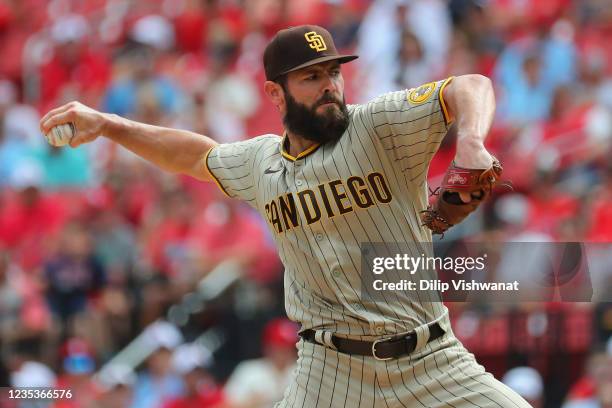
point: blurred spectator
(548, 203)
(168, 247)
(141, 83)
(595, 390)
(19, 133)
(600, 222)
(33, 374)
(115, 389)
(341, 20)
(191, 25)
(114, 243)
(191, 362)
(461, 58)
(22, 306)
(266, 16)
(381, 36)
(225, 230)
(29, 217)
(529, 70)
(260, 383)
(478, 27)
(74, 69)
(154, 31)
(132, 187)
(230, 96)
(78, 364)
(597, 84)
(74, 274)
(10, 294)
(64, 168)
(26, 370)
(116, 249)
(413, 68)
(159, 382)
(527, 382)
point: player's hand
(472, 157)
(88, 122)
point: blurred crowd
(96, 245)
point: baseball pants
(441, 373)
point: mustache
(328, 99)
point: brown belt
(382, 349)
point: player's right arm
(173, 150)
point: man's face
(314, 103)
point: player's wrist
(470, 141)
(472, 155)
(112, 125)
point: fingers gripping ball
(61, 135)
(449, 209)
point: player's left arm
(470, 179)
(410, 124)
(470, 102)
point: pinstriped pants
(440, 374)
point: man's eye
(335, 72)
(311, 77)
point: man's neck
(296, 144)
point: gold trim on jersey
(303, 154)
(447, 117)
(215, 179)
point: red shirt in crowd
(209, 398)
(24, 226)
(90, 73)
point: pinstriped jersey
(368, 186)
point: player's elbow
(467, 90)
(198, 165)
(471, 81)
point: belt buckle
(374, 349)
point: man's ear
(275, 93)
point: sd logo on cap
(315, 41)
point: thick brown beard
(321, 128)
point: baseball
(61, 135)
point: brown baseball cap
(299, 47)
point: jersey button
(380, 330)
(298, 182)
(319, 237)
(336, 273)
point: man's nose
(329, 85)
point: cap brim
(342, 59)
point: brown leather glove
(449, 209)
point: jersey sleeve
(231, 166)
(410, 125)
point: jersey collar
(303, 154)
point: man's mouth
(328, 103)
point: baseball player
(341, 175)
